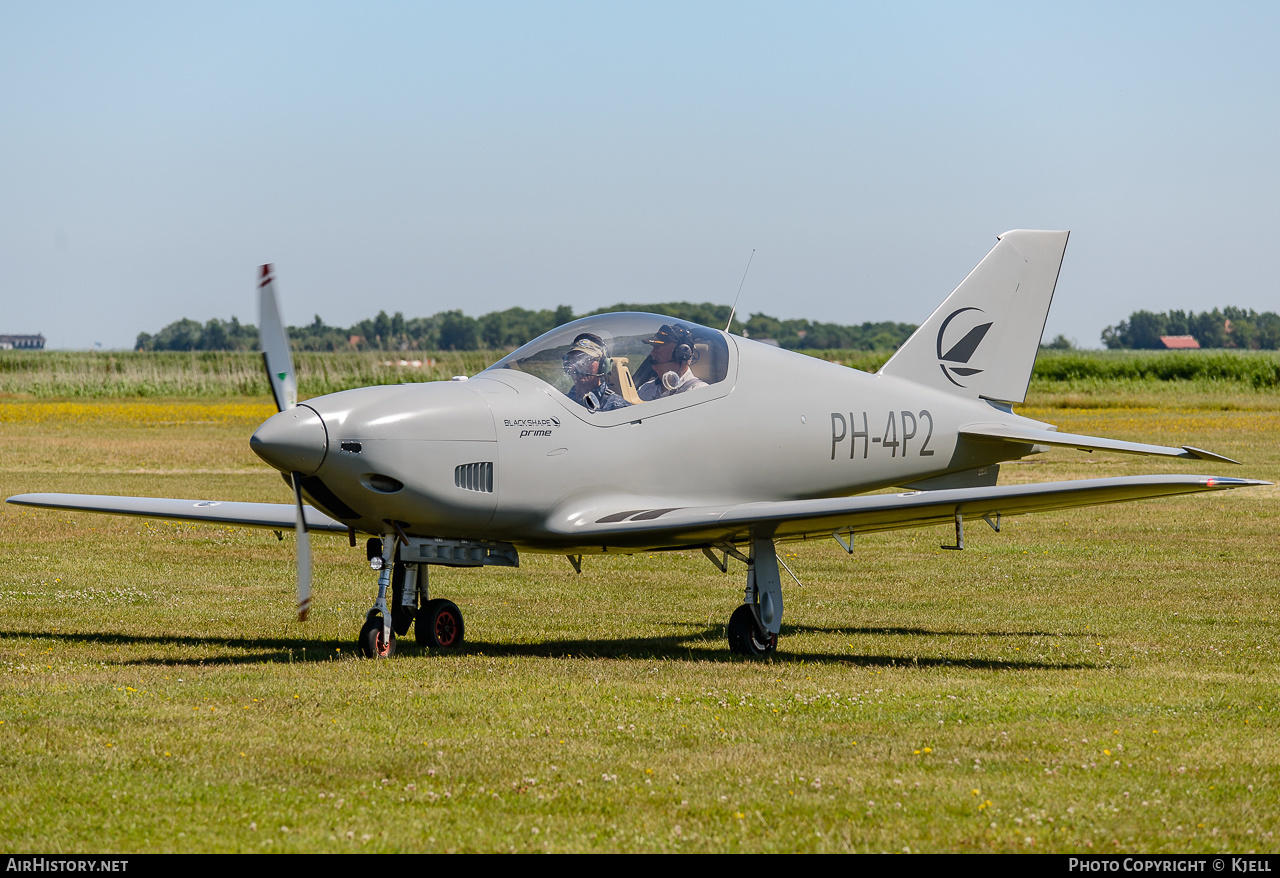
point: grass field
(1079, 379)
(1099, 680)
(216, 374)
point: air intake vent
(474, 477)
(381, 483)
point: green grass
(1257, 369)
(1214, 380)
(1221, 380)
(1097, 681)
(1210, 379)
(82, 374)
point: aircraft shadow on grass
(700, 646)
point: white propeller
(304, 554)
(273, 339)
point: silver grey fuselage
(780, 426)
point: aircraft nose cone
(293, 441)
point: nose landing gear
(437, 623)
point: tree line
(1226, 328)
(500, 330)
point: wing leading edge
(692, 525)
(273, 516)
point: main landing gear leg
(404, 597)
(754, 626)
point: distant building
(22, 342)
(1180, 342)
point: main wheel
(745, 637)
(371, 643)
(439, 625)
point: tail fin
(982, 341)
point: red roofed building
(1180, 342)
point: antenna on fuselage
(735, 298)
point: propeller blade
(273, 339)
(304, 554)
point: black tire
(439, 625)
(745, 636)
(371, 645)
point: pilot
(587, 364)
(673, 351)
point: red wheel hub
(446, 628)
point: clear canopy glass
(628, 339)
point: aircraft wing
(273, 516)
(677, 526)
(639, 525)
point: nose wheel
(372, 642)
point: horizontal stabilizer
(1023, 435)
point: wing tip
(1231, 482)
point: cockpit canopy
(626, 337)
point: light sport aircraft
(765, 445)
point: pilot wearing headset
(673, 351)
(587, 364)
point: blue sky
(417, 157)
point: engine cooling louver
(474, 477)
